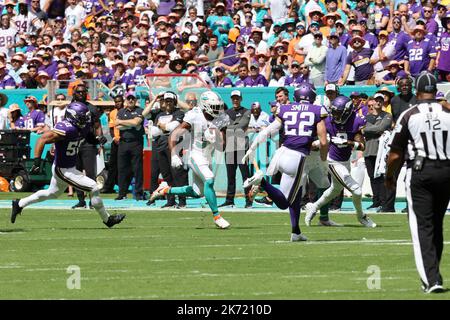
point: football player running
(302, 122)
(67, 135)
(344, 128)
(205, 136)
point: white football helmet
(211, 103)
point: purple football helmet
(341, 109)
(77, 113)
(305, 92)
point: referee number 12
(434, 124)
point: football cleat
(114, 219)
(310, 213)
(298, 237)
(16, 210)
(367, 222)
(437, 288)
(264, 201)
(221, 222)
(254, 180)
(254, 190)
(160, 192)
(329, 223)
(80, 204)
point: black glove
(36, 168)
(101, 140)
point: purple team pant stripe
(71, 182)
(296, 186)
(338, 178)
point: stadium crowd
(228, 43)
(278, 43)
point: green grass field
(181, 255)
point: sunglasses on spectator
(427, 11)
(302, 68)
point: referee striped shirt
(423, 131)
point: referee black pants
(130, 164)
(112, 168)
(428, 194)
(233, 161)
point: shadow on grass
(11, 230)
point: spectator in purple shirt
(421, 53)
(34, 120)
(220, 80)
(443, 56)
(360, 60)
(6, 81)
(394, 73)
(255, 79)
(431, 24)
(399, 39)
(243, 74)
(296, 77)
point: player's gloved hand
(101, 140)
(339, 141)
(36, 168)
(248, 155)
(176, 161)
(210, 135)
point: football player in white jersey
(204, 124)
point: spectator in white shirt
(258, 118)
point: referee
(421, 136)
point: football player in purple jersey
(344, 128)
(302, 122)
(67, 136)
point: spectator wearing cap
(443, 48)
(329, 21)
(119, 75)
(162, 66)
(266, 28)
(315, 59)
(398, 38)
(220, 23)
(289, 29)
(236, 146)
(34, 120)
(17, 66)
(275, 35)
(335, 60)
(315, 14)
(220, 80)
(359, 58)
(428, 35)
(421, 54)
(332, 7)
(6, 81)
(48, 65)
(75, 15)
(294, 51)
(307, 40)
(42, 78)
(277, 77)
(258, 118)
(255, 79)
(194, 44)
(27, 82)
(394, 72)
(344, 36)
(387, 96)
(164, 42)
(102, 73)
(261, 45)
(296, 77)
(382, 55)
(129, 122)
(441, 13)
(142, 70)
(15, 118)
